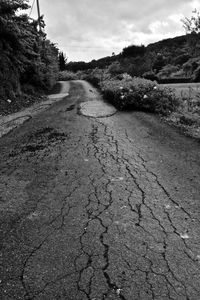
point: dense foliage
(62, 61)
(139, 94)
(28, 60)
(67, 75)
(133, 50)
(131, 93)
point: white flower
(145, 97)
(155, 88)
(168, 206)
(122, 96)
(130, 91)
(121, 88)
(118, 291)
(9, 101)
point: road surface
(98, 208)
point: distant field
(184, 90)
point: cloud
(87, 29)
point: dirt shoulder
(9, 106)
(11, 121)
(187, 123)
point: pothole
(96, 109)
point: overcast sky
(91, 29)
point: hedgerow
(139, 94)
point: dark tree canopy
(62, 61)
(133, 51)
(26, 56)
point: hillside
(171, 60)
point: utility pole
(39, 20)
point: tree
(62, 61)
(26, 56)
(192, 28)
(10, 47)
(133, 51)
(192, 24)
(115, 68)
(167, 71)
(159, 62)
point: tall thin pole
(38, 10)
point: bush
(150, 75)
(115, 69)
(67, 75)
(95, 76)
(139, 94)
(28, 89)
(167, 70)
(94, 80)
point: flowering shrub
(139, 94)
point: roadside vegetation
(142, 78)
(128, 93)
(179, 104)
(139, 94)
(175, 60)
(29, 61)
(162, 78)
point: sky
(91, 29)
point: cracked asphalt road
(98, 208)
